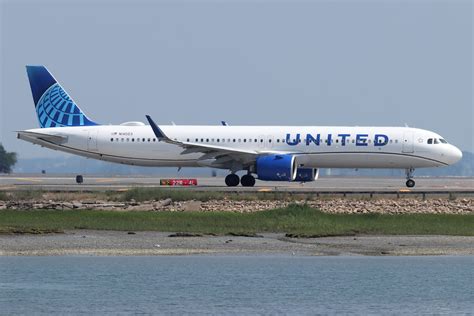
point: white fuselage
(314, 146)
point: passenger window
(233, 140)
(261, 140)
(218, 140)
(111, 139)
(269, 140)
(133, 139)
(278, 140)
(143, 139)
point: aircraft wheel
(247, 181)
(410, 183)
(79, 179)
(232, 180)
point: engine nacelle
(306, 174)
(276, 168)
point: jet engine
(283, 168)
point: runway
(322, 185)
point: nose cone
(453, 155)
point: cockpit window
(443, 141)
(436, 141)
(430, 141)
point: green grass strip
(296, 220)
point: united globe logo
(56, 108)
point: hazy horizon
(315, 63)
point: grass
(148, 194)
(21, 195)
(300, 221)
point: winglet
(158, 132)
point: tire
(79, 179)
(232, 180)
(247, 181)
(410, 183)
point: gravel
(336, 205)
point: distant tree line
(7, 160)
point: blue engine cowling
(306, 174)
(276, 168)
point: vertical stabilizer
(54, 107)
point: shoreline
(121, 243)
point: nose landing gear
(409, 173)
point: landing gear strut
(232, 180)
(409, 173)
(247, 181)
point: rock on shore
(335, 205)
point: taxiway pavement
(323, 184)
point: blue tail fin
(53, 105)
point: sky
(375, 63)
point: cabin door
(92, 141)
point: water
(236, 285)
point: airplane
(268, 153)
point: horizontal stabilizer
(56, 139)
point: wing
(216, 156)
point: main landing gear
(410, 182)
(232, 180)
(247, 181)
